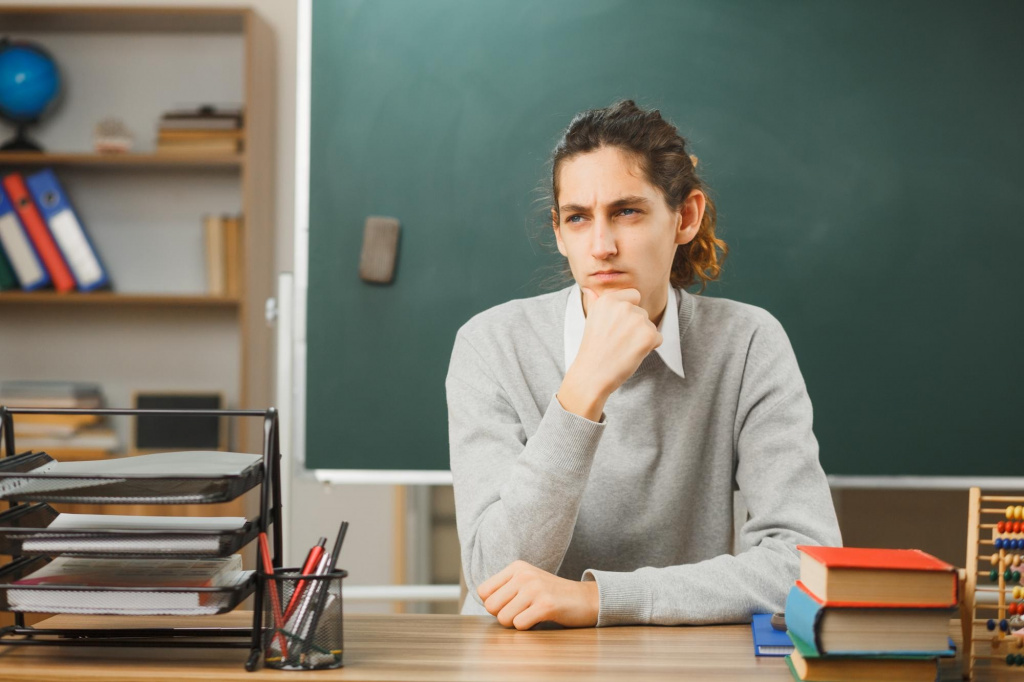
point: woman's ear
(689, 216)
(558, 233)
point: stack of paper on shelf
(92, 586)
(62, 436)
(161, 478)
(204, 130)
(858, 614)
(86, 533)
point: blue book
(68, 231)
(767, 640)
(822, 630)
(19, 249)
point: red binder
(38, 232)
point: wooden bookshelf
(107, 298)
(155, 160)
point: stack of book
(42, 240)
(870, 614)
(204, 130)
(62, 436)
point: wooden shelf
(131, 160)
(32, 18)
(115, 299)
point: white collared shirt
(670, 349)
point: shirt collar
(670, 350)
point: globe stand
(20, 142)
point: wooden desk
(423, 648)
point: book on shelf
(51, 394)
(38, 231)
(8, 280)
(205, 129)
(97, 574)
(68, 231)
(89, 438)
(19, 249)
(223, 238)
(205, 116)
(855, 576)
(226, 146)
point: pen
(275, 603)
(294, 626)
(307, 568)
(321, 595)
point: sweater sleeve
(516, 497)
(788, 501)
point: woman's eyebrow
(572, 208)
(628, 201)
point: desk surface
(421, 648)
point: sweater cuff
(625, 599)
(568, 439)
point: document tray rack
(25, 530)
(30, 486)
(120, 600)
(27, 524)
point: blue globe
(29, 82)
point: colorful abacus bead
(1018, 512)
(998, 543)
(1009, 512)
(991, 624)
(1001, 526)
(1004, 625)
(994, 559)
(1019, 660)
(1018, 592)
(993, 575)
(1015, 576)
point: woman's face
(616, 228)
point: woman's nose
(602, 240)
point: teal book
(865, 631)
(7, 278)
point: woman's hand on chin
(521, 595)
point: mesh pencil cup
(302, 626)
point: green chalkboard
(866, 156)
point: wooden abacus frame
(1001, 643)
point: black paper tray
(121, 488)
(24, 530)
(128, 601)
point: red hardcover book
(855, 576)
(38, 232)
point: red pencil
(307, 568)
(275, 603)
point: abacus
(998, 624)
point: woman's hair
(660, 152)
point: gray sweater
(643, 501)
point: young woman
(598, 433)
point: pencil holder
(302, 620)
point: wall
(934, 521)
